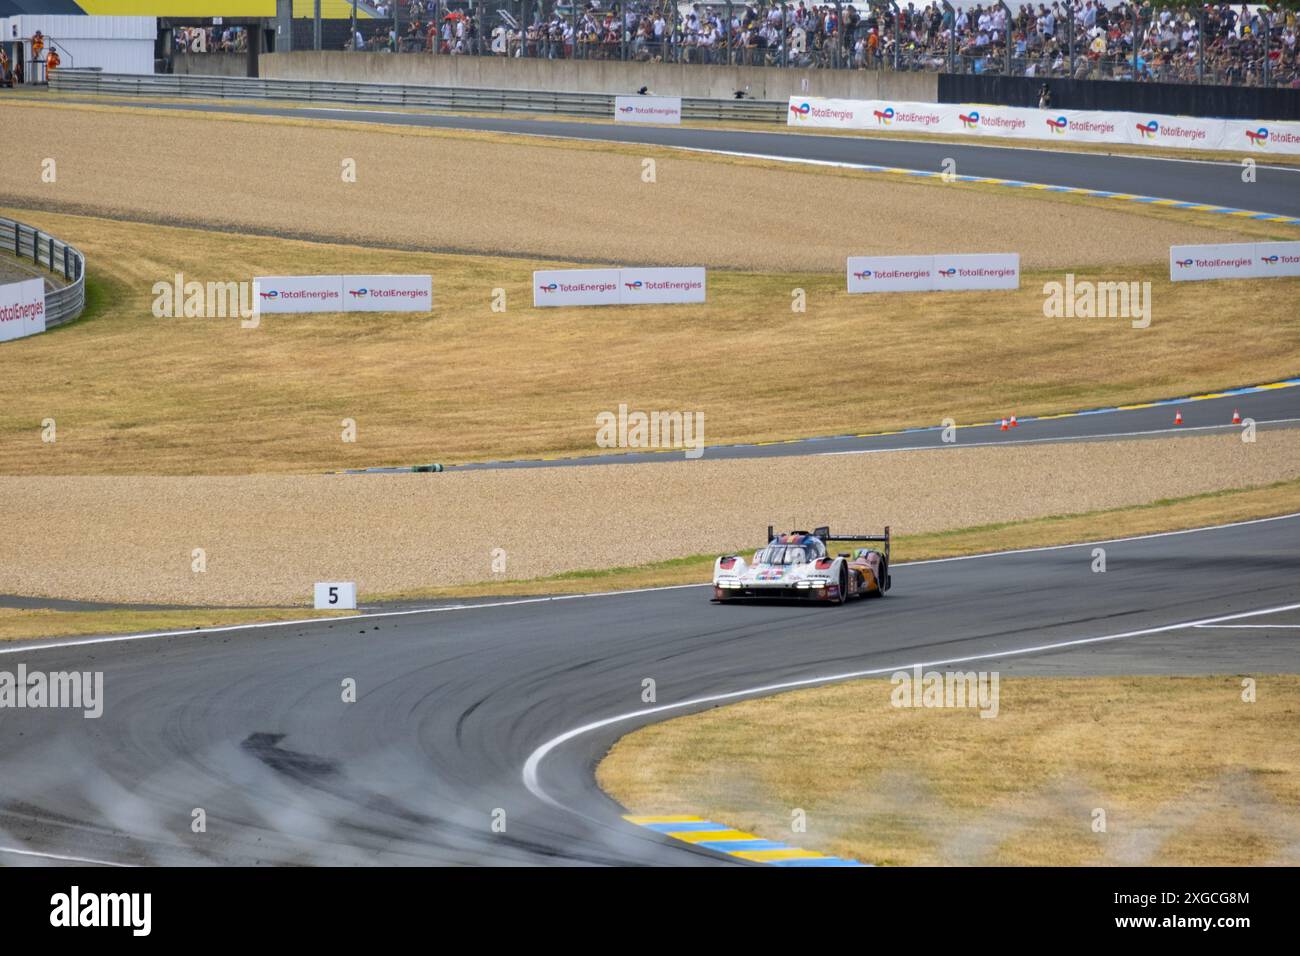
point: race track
(248, 723)
(465, 710)
(1276, 188)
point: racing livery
(797, 565)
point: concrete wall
(211, 64)
(596, 76)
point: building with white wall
(111, 44)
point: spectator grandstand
(1082, 39)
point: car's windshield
(781, 554)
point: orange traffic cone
(1013, 423)
(1236, 417)
(1003, 426)
(1178, 418)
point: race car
(797, 565)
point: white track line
(1244, 627)
(1178, 430)
(531, 766)
(59, 857)
(38, 645)
(1086, 544)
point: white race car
(797, 565)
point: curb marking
(744, 846)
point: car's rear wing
(825, 534)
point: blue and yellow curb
(1095, 193)
(737, 843)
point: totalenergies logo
(1270, 260)
(1058, 125)
(269, 295)
(1183, 262)
(864, 274)
(549, 287)
(358, 293)
(1258, 137)
(947, 273)
(802, 110)
(971, 121)
(633, 285)
(1148, 129)
(885, 116)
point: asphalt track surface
(249, 724)
(462, 711)
(1276, 189)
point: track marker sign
(336, 595)
(648, 109)
(22, 309)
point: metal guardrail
(26, 242)
(384, 94)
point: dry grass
(18, 624)
(269, 537)
(135, 394)
(495, 194)
(1186, 773)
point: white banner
(576, 287)
(618, 286)
(891, 273)
(638, 286)
(1277, 259)
(1014, 122)
(387, 293)
(648, 109)
(999, 270)
(22, 309)
(299, 293)
(1234, 260)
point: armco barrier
(27, 242)
(382, 94)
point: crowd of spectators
(970, 38)
(210, 40)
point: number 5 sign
(338, 595)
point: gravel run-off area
(267, 539)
